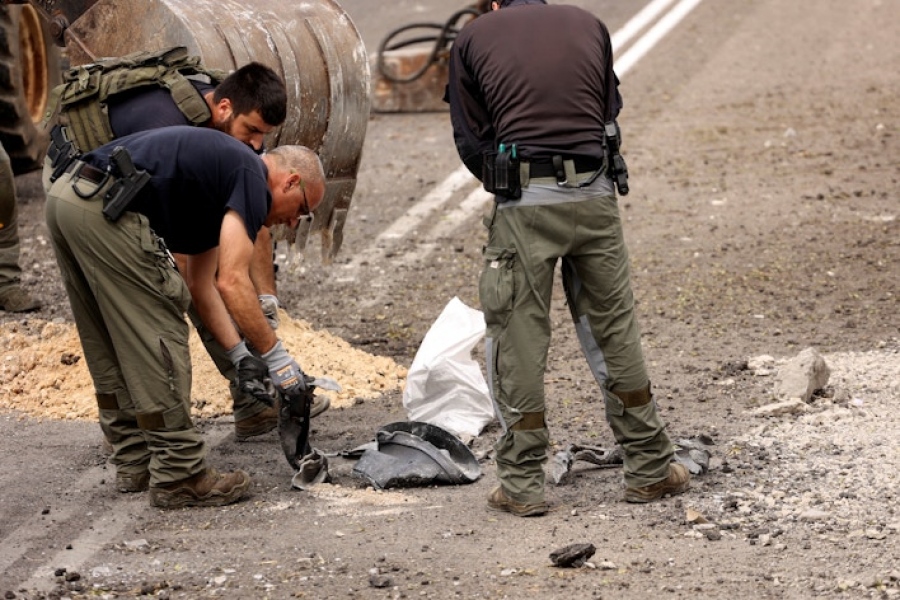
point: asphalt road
(756, 227)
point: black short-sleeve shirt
(148, 107)
(197, 175)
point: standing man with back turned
(531, 92)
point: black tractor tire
(29, 69)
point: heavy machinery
(412, 63)
(313, 45)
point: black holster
(500, 175)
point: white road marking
(99, 529)
(654, 35)
(637, 23)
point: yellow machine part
(312, 44)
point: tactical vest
(80, 102)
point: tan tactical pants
(245, 405)
(128, 301)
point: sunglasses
(303, 213)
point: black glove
(253, 379)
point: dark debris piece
(572, 556)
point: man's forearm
(262, 266)
(215, 317)
(242, 304)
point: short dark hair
(255, 87)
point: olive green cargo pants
(245, 405)
(128, 301)
(10, 272)
(526, 240)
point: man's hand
(269, 305)
(286, 374)
(252, 378)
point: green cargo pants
(10, 272)
(526, 240)
(128, 301)
(245, 405)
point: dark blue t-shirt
(197, 174)
(147, 107)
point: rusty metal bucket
(313, 44)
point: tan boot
(319, 405)
(14, 298)
(258, 424)
(678, 481)
(267, 419)
(132, 483)
(206, 488)
(498, 500)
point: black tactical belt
(582, 165)
(91, 173)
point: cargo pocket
(175, 357)
(497, 287)
(169, 281)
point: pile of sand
(44, 374)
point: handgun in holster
(615, 163)
(61, 152)
(129, 182)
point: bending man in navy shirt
(207, 198)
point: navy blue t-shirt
(147, 107)
(197, 174)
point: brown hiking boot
(267, 420)
(206, 488)
(14, 298)
(258, 424)
(498, 500)
(131, 483)
(319, 405)
(678, 481)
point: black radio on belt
(129, 182)
(500, 173)
(617, 169)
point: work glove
(252, 374)
(253, 379)
(284, 371)
(269, 305)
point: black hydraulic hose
(442, 41)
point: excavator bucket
(313, 45)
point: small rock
(801, 376)
(814, 515)
(379, 580)
(137, 544)
(788, 407)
